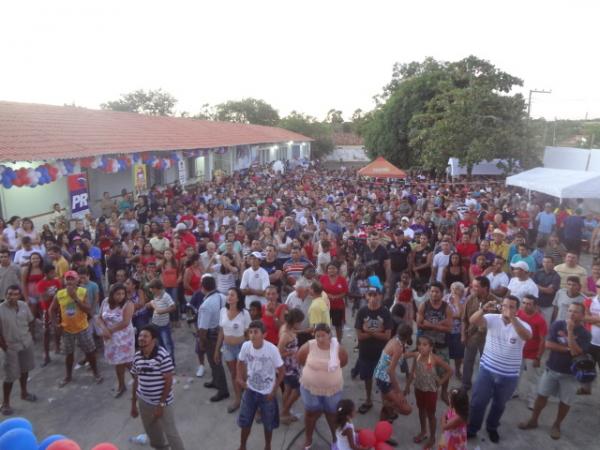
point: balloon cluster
(17, 434)
(375, 439)
(49, 172)
(32, 177)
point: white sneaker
(200, 372)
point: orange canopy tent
(380, 168)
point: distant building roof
(348, 155)
(31, 132)
(341, 138)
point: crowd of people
(269, 268)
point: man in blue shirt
(566, 340)
(546, 221)
(573, 231)
(208, 332)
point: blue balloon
(49, 440)
(7, 183)
(18, 439)
(13, 423)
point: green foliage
(248, 110)
(151, 102)
(334, 117)
(433, 110)
(311, 127)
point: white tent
(558, 183)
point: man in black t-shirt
(373, 329)
(399, 252)
(375, 257)
(273, 266)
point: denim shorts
(383, 386)
(293, 381)
(251, 402)
(230, 352)
(320, 403)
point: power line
(535, 91)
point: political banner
(78, 194)
(140, 178)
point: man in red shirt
(466, 248)
(464, 226)
(187, 237)
(533, 350)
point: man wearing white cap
(255, 281)
(521, 284)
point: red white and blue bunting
(54, 170)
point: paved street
(89, 414)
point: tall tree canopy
(152, 102)
(434, 110)
(248, 110)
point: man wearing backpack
(566, 340)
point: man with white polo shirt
(500, 364)
(255, 280)
(521, 283)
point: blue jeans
(253, 401)
(174, 315)
(166, 340)
(490, 386)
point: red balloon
(383, 431)
(383, 446)
(64, 444)
(366, 438)
(105, 446)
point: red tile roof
(30, 132)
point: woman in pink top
(321, 382)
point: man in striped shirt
(500, 363)
(152, 398)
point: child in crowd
(385, 373)
(47, 287)
(425, 375)
(255, 310)
(288, 347)
(454, 422)
(405, 296)
(347, 438)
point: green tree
(207, 112)
(334, 117)
(431, 111)
(310, 127)
(151, 102)
(248, 110)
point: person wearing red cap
(74, 310)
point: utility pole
(535, 91)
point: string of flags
(52, 171)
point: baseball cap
(520, 265)
(257, 255)
(405, 218)
(181, 226)
(372, 289)
(498, 231)
(71, 274)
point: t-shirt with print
(164, 301)
(561, 361)
(237, 326)
(261, 366)
(562, 301)
(370, 349)
(503, 350)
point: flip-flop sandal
(7, 410)
(120, 392)
(365, 408)
(29, 398)
(98, 380)
(64, 382)
(232, 408)
(419, 439)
